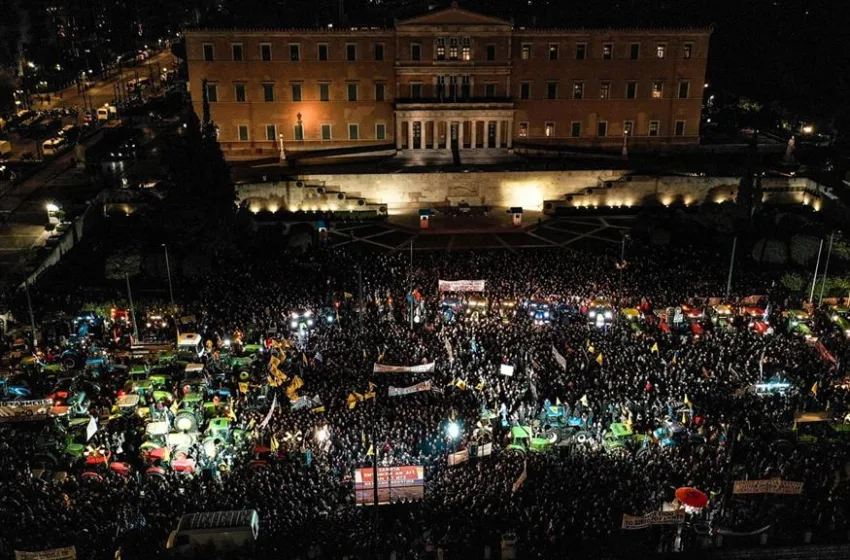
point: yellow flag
(815, 389)
(654, 348)
(599, 359)
(372, 387)
(274, 445)
(674, 359)
(348, 295)
(243, 387)
(274, 361)
(352, 401)
(296, 383)
(461, 384)
(371, 451)
(480, 386)
(363, 437)
(590, 347)
(318, 409)
(687, 401)
(304, 358)
(557, 401)
(583, 400)
(231, 414)
(359, 396)
(251, 423)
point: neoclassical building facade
(448, 79)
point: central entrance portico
(450, 126)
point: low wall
(532, 190)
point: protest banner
(394, 483)
(770, 486)
(24, 411)
(631, 522)
(507, 370)
(419, 368)
(458, 458)
(484, 450)
(461, 285)
(418, 388)
(65, 553)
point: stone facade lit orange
(449, 78)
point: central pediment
(453, 15)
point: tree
(793, 282)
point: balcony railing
(449, 99)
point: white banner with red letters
(461, 285)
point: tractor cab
(600, 313)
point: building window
(552, 90)
(294, 52)
(688, 51)
(578, 90)
(416, 51)
(268, 93)
(604, 90)
(326, 132)
(379, 91)
(296, 92)
(631, 90)
(239, 92)
(525, 51)
(379, 51)
(324, 92)
(657, 89)
(466, 52)
(209, 54)
(490, 90)
(581, 51)
(680, 128)
(299, 132)
(465, 87)
(525, 90)
(453, 48)
(271, 132)
(236, 49)
(441, 48)
(352, 92)
(549, 129)
(350, 52)
(353, 132)
(628, 128)
(265, 52)
(380, 131)
(660, 50)
(654, 127)
(634, 51)
(684, 89)
(212, 93)
(491, 52)
(523, 130)
(607, 51)
(575, 129)
(602, 129)
(242, 131)
(323, 52)
(416, 91)
(553, 51)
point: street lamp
(168, 270)
(280, 141)
(453, 430)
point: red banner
(394, 483)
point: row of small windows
(325, 132)
(447, 48)
(579, 90)
(296, 91)
(451, 86)
(582, 51)
(653, 129)
(237, 52)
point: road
(23, 214)
(104, 91)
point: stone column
(474, 124)
(398, 130)
(498, 134)
(409, 135)
(510, 134)
(459, 134)
(435, 131)
(448, 125)
(486, 133)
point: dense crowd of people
(572, 497)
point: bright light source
(52, 207)
(808, 129)
(227, 342)
(453, 430)
(329, 319)
(294, 324)
(322, 434)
